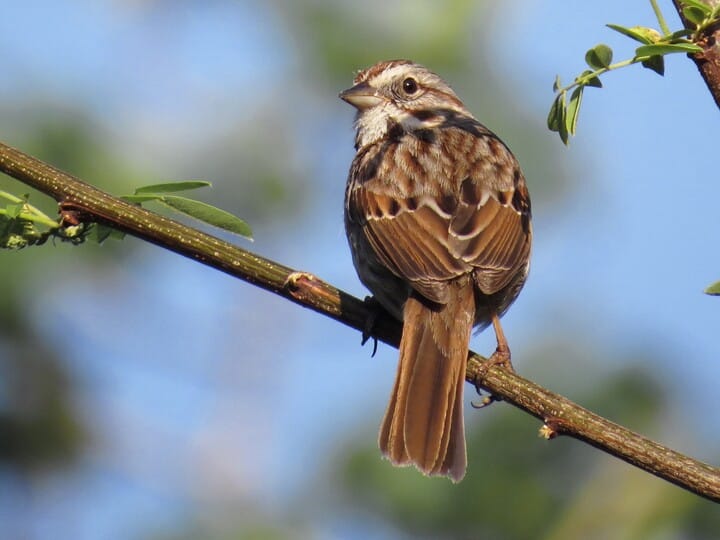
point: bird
(438, 220)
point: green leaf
(593, 81)
(99, 233)
(196, 209)
(562, 115)
(141, 198)
(557, 84)
(13, 210)
(172, 187)
(695, 15)
(208, 214)
(679, 34)
(666, 48)
(713, 289)
(699, 5)
(656, 63)
(555, 115)
(643, 34)
(573, 108)
(599, 57)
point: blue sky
(209, 401)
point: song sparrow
(437, 215)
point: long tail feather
(423, 425)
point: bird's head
(399, 92)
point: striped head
(399, 93)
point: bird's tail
(423, 425)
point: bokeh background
(144, 396)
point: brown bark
(708, 61)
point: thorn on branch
(72, 215)
(302, 286)
(309, 290)
(553, 426)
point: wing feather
(475, 218)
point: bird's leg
(501, 356)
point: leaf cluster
(654, 46)
(22, 225)
(203, 212)
(650, 54)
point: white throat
(372, 124)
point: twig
(560, 415)
(660, 17)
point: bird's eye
(410, 86)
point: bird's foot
(374, 309)
(500, 358)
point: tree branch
(560, 415)
(708, 61)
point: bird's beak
(361, 96)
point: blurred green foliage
(341, 35)
(518, 486)
(39, 427)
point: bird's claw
(367, 333)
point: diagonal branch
(560, 415)
(708, 61)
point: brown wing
(411, 240)
(490, 230)
(471, 214)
